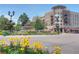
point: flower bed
(22, 45)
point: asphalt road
(68, 42)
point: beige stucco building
(61, 19)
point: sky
(31, 9)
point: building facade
(61, 19)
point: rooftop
(58, 6)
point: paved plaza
(68, 42)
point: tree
(39, 24)
(11, 25)
(23, 19)
(17, 26)
(6, 24)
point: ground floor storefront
(66, 30)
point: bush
(34, 33)
(54, 33)
(26, 33)
(1, 33)
(5, 33)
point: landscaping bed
(23, 45)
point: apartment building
(61, 19)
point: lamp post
(11, 14)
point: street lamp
(11, 14)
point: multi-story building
(62, 19)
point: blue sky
(31, 9)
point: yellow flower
(57, 50)
(2, 41)
(25, 43)
(38, 45)
(11, 39)
(14, 43)
(22, 44)
(17, 39)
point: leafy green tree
(11, 25)
(17, 27)
(6, 24)
(39, 24)
(23, 19)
